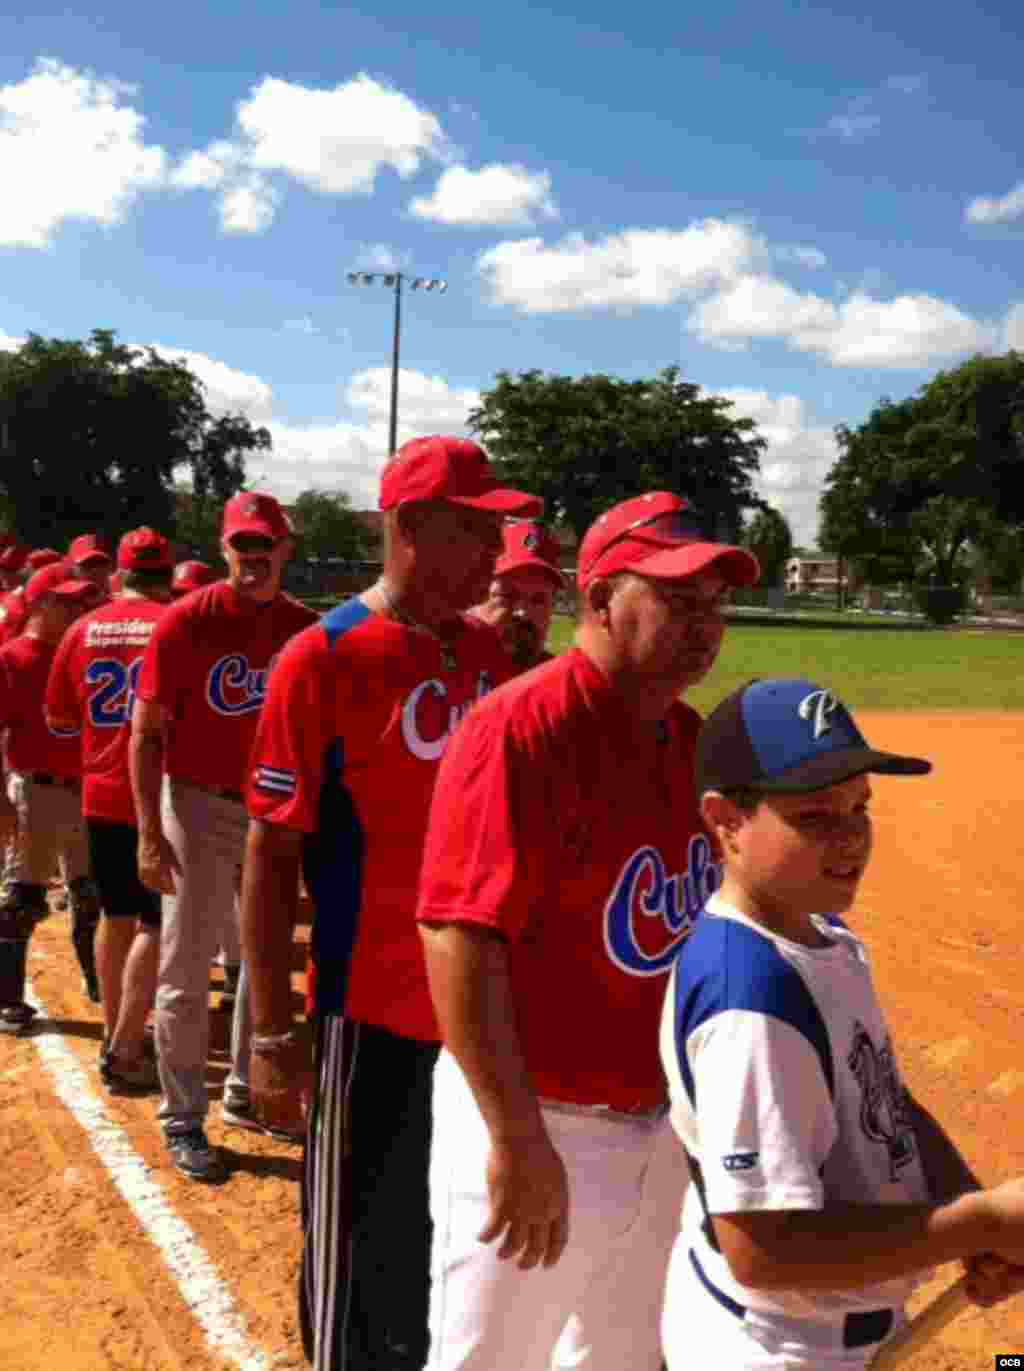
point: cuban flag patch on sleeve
(275, 779)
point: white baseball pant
(50, 829)
(207, 833)
(599, 1307)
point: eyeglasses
(674, 525)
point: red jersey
(207, 663)
(358, 715)
(13, 615)
(93, 679)
(572, 829)
(31, 746)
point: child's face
(804, 854)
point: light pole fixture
(393, 281)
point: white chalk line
(195, 1275)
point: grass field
(892, 670)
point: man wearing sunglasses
(199, 694)
(564, 861)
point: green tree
(197, 521)
(92, 435)
(770, 539)
(584, 443)
(327, 526)
(922, 479)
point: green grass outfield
(891, 670)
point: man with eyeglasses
(521, 598)
(564, 861)
(199, 694)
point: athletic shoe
(193, 1156)
(123, 1077)
(236, 1112)
(16, 1019)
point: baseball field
(111, 1261)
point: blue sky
(805, 208)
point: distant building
(813, 576)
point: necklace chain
(448, 658)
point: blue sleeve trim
(725, 966)
(338, 621)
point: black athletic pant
(364, 1290)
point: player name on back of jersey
(129, 632)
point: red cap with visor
(143, 549)
(89, 547)
(13, 558)
(58, 579)
(456, 469)
(658, 535)
(529, 544)
(251, 512)
(189, 576)
(42, 556)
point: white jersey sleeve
(766, 1123)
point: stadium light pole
(393, 281)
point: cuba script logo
(819, 706)
(429, 718)
(233, 688)
(645, 891)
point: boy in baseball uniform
(822, 1189)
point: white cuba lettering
(645, 889)
(819, 705)
(429, 745)
(234, 688)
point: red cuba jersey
(207, 664)
(572, 828)
(93, 679)
(358, 715)
(31, 746)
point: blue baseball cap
(788, 735)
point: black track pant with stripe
(364, 1291)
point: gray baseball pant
(207, 833)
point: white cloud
(335, 141)
(906, 332)
(496, 194)
(623, 271)
(1004, 210)
(9, 344)
(380, 257)
(798, 457)
(801, 255)
(1013, 329)
(249, 206)
(227, 390)
(70, 148)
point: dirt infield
(83, 1288)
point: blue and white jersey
(785, 1091)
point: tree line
(98, 435)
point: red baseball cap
(58, 579)
(249, 512)
(42, 556)
(657, 535)
(529, 544)
(89, 547)
(190, 576)
(443, 468)
(143, 549)
(13, 558)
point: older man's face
(670, 631)
(519, 605)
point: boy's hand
(991, 1279)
